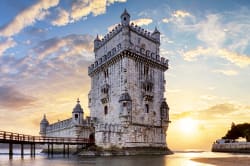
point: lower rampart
(237, 147)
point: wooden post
(48, 149)
(10, 150)
(68, 150)
(31, 149)
(63, 149)
(52, 149)
(22, 150)
(34, 150)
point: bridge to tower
(11, 138)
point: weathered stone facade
(127, 88)
(126, 100)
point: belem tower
(126, 99)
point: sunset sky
(46, 47)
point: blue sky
(46, 47)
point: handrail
(9, 136)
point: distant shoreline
(225, 161)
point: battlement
(118, 28)
(59, 125)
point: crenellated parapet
(59, 125)
(152, 36)
(109, 36)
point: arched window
(146, 108)
(105, 110)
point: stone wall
(239, 147)
(66, 128)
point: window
(139, 40)
(146, 108)
(146, 69)
(106, 73)
(113, 51)
(119, 46)
(124, 104)
(76, 116)
(124, 18)
(105, 110)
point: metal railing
(22, 138)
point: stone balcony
(140, 53)
(104, 98)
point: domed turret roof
(78, 108)
(125, 97)
(44, 120)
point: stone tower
(43, 125)
(77, 114)
(126, 99)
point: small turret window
(76, 116)
(124, 18)
(106, 73)
(146, 108)
(105, 110)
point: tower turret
(126, 107)
(156, 35)
(43, 125)
(97, 42)
(77, 114)
(164, 112)
(125, 18)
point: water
(178, 159)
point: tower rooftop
(78, 108)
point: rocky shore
(114, 151)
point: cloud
(240, 60)
(223, 35)
(82, 8)
(211, 32)
(227, 72)
(208, 97)
(166, 20)
(219, 111)
(13, 99)
(177, 16)
(6, 44)
(28, 17)
(63, 18)
(64, 46)
(181, 13)
(142, 21)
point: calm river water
(178, 159)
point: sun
(187, 125)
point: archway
(92, 138)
